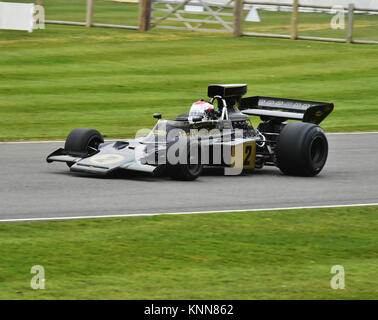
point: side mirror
(157, 115)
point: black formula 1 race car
(214, 134)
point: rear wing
(285, 109)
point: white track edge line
(188, 212)
(356, 133)
(110, 140)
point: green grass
(63, 77)
(259, 255)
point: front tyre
(83, 141)
(302, 149)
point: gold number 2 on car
(246, 158)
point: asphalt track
(32, 188)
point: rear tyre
(188, 171)
(302, 149)
(82, 141)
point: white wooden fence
(226, 15)
(174, 9)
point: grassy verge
(260, 255)
(63, 77)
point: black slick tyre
(302, 149)
(82, 141)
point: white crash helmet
(199, 109)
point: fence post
(349, 37)
(238, 10)
(144, 15)
(294, 21)
(89, 13)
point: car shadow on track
(267, 172)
